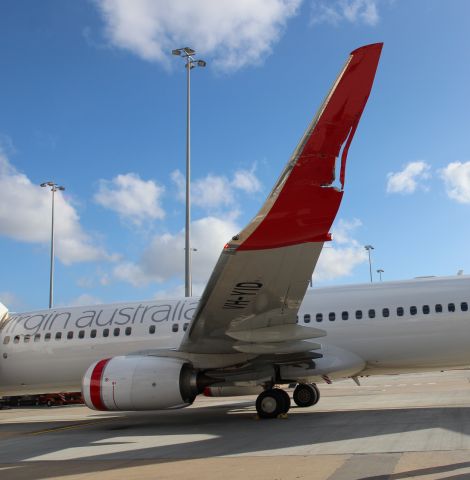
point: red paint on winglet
(307, 205)
(95, 385)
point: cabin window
(27, 338)
(174, 327)
(47, 336)
(58, 335)
(451, 307)
(438, 308)
(152, 329)
(385, 312)
(464, 306)
(186, 325)
(319, 317)
(128, 331)
(116, 332)
(81, 334)
(344, 315)
(426, 309)
(358, 314)
(413, 310)
(307, 318)
(37, 337)
(371, 313)
(70, 335)
(400, 311)
(93, 334)
(6, 340)
(106, 332)
(16, 339)
(331, 316)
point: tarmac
(395, 427)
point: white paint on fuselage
(395, 344)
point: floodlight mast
(54, 188)
(369, 248)
(188, 53)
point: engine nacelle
(137, 382)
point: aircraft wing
(251, 301)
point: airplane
(256, 326)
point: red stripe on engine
(95, 385)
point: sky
(92, 99)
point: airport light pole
(54, 188)
(380, 271)
(369, 248)
(188, 54)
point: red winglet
(307, 204)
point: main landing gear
(274, 402)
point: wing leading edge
(251, 300)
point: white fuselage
(34, 360)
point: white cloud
(163, 259)
(83, 300)
(10, 300)
(131, 197)
(231, 33)
(353, 11)
(407, 180)
(336, 262)
(25, 212)
(216, 191)
(456, 177)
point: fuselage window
(6, 340)
(58, 335)
(70, 335)
(371, 313)
(319, 317)
(16, 339)
(400, 311)
(451, 307)
(152, 329)
(344, 315)
(426, 309)
(26, 338)
(186, 325)
(81, 334)
(331, 316)
(464, 306)
(413, 310)
(128, 331)
(358, 314)
(307, 318)
(93, 334)
(116, 332)
(37, 337)
(47, 336)
(438, 308)
(174, 327)
(106, 332)
(385, 312)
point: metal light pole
(369, 248)
(188, 54)
(54, 188)
(380, 271)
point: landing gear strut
(306, 395)
(272, 402)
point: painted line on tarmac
(71, 427)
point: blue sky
(91, 98)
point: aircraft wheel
(306, 395)
(286, 399)
(270, 403)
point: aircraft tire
(306, 395)
(286, 399)
(270, 403)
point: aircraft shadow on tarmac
(214, 431)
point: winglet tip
(372, 46)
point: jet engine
(137, 382)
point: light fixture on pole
(188, 54)
(54, 188)
(380, 271)
(369, 248)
